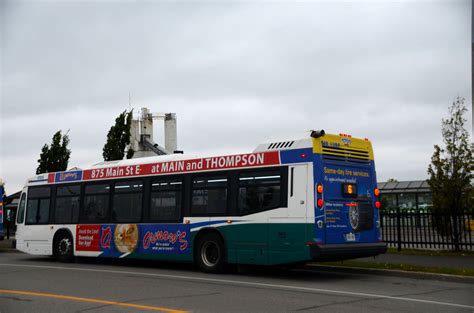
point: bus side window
(66, 209)
(21, 209)
(292, 176)
(96, 203)
(166, 199)
(37, 207)
(128, 201)
(259, 191)
(209, 195)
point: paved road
(39, 284)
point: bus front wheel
(210, 253)
(63, 247)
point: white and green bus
(286, 202)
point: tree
(118, 138)
(54, 158)
(450, 174)
(392, 180)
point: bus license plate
(350, 237)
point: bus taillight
(319, 189)
(319, 194)
(376, 192)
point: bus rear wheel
(63, 247)
(210, 253)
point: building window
(166, 197)
(407, 202)
(425, 201)
(389, 202)
(209, 196)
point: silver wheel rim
(210, 253)
(354, 217)
(64, 246)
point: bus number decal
(97, 173)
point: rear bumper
(346, 251)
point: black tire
(63, 247)
(210, 253)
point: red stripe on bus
(182, 166)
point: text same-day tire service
(287, 202)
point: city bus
(287, 202)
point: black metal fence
(428, 230)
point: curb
(395, 273)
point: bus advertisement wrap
(171, 167)
(115, 240)
(349, 212)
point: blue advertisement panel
(68, 176)
(348, 203)
(119, 240)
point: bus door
(38, 234)
(298, 191)
(287, 233)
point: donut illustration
(126, 237)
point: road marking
(123, 304)
(248, 283)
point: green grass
(402, 267)
(432, 252)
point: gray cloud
(236, 74)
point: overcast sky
(236, 73)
